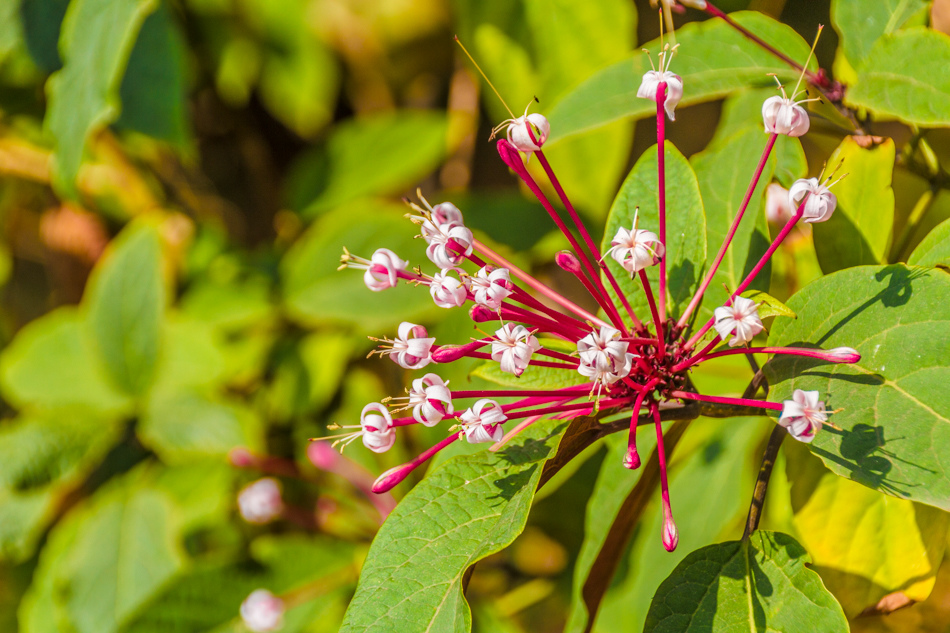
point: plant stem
(661, 197)
(648, 291)
(762, 481)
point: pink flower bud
(632, 459)
(671, 536)
(260, 501)
(449, 353)
(479, 314)
(844, 355)
(262, 611)
(568, 261)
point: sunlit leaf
(934, 250)
(860, 24)
(753, 585)
(894, 412)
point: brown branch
(762, 481)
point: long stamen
(808, 59)
(657, 323)
(745, 402)
(484, 76)
(757, 269)
(732, 232)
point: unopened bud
(844, 355)
(632, 459)
(392, 478)
(568, 261)
(671, 536)
(262, 611)
(481, 314)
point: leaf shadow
(861, 452)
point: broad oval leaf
(934, 250)
(860, 230)
(468, 508)
(685, 229)
(124, 303)
(96, 40)
(895, 409)
(759, 584)
(863, 544)
(905, 77)
(713, 59)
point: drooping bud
(260, 501)
(740, 319)
(481, 314)
(784, 116)
(378, 432)
(821, 202)
(632, 458)
(671, 536)
(803, 415)
(262, 611)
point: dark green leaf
(125, 302)
(895, 411)
(685, 229)
(96, 41)
(468, 508)
(42, 20)
(760, 584)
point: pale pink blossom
(260, 502)
(377, 428)
(603, 356)
(803, 415)
(482, 422)
(636, 249)
(513, 347)
(491, 286)
(430, 399)
(821, 202)
(449, 291)
(784, 116)
(411, 349)
(262, 611)
(741, 319)
(674, 89)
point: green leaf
(713, 60)
(892, 544)
(724, 171)
(904, 77)
(153, 89)
(769, 306)
(96, 40)
(124, 301)
(42, 459)
(934, 250)
(185, 426)
(381, 155)
(192, 356)
(895, 417)
(860, 230)
(124, 552)
(315, 292)
(468, 508)
(860, 24)
(754, 585)
(685, 229)
(51, 364)
(42, 20)
(712, 461)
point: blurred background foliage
(177, 180)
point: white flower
(439, 235)
(603, 356)
(430, 399)
(632, 249)
(382, 270)
(518, 132)
(777, 208)
(784, 116)
(513, 348)
(262, 611)
(741, 318)
(445, 213)
(674, 88)
(377, 424)
(482, 422)
(491, 286)
(411, 349)
(803, 415)
(260, 501)
(821, 202)
(448, 291)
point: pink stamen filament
(788, 351)
(567, 329)
(537, 286)
(579, 390)
(732, 232)
(661, 198)
(755, 271)
(512, 158)
(657, 323)
(745, 402)
(632, 458)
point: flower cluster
(612, 361)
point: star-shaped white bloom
(803, 415)
(636, 249)
(603, 356)
(490, 286)
(448, 291)
(411, 348)
(430, 399)
(513, 347)
(378, 432)
(482, 422)
(741, 319)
